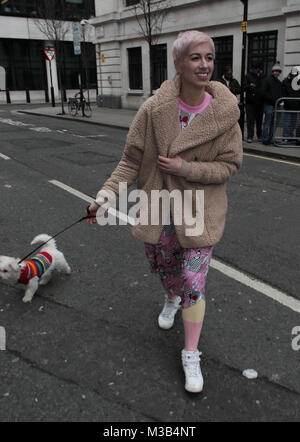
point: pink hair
(186, 39)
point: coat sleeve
(129, 165)
(227, 162)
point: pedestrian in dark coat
(293, 105)
(271, 91)
(254, 105)
(229, 81)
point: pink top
(188, 113)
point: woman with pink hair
(184, 138)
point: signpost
(76, 27)
(76, 38)
(244, 50)
(50, 54)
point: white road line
(230, 272)
(4, 157)
(14, 122)
(40, 129)
(84, 197)
(2, 339)
(265, 289)
(69, 189)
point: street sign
(2, 79)
(76, 38)
(50, 54)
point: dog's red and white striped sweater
(36, 266)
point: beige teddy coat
(210, 148)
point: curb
(79, 120)
(280, 156)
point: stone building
(122, 54)
(25, 66)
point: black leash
(57, 234)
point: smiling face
(197, 66)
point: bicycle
(75, 105)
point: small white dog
(37, 270)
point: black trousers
(254, 114)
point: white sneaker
(192, 370)
(167, 315)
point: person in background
(293, 105)
(229, 81)
(271, 91)
(254, 105)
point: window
(159, 65)
(132, 2)
(30, 8)
(24, 62)
(135, 68)
(262, 50)
(224, 49)
(73, 65)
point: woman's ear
(177, 66)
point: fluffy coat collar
(219, 117)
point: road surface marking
(272, 159)
(41, 129)
(4, 157)
(13, 122)
(230, 272)
(2, 339)
(69, 189)
(265, 289)
(84, 197)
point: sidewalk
(122, 118)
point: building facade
(23, 38)
(123, 56)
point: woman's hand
(92, 212)
(169, 165)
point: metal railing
(287, 122)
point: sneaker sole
(194, 390)
(164, 327)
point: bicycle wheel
(87, 110)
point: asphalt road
(88, 347)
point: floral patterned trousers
(182, 271)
